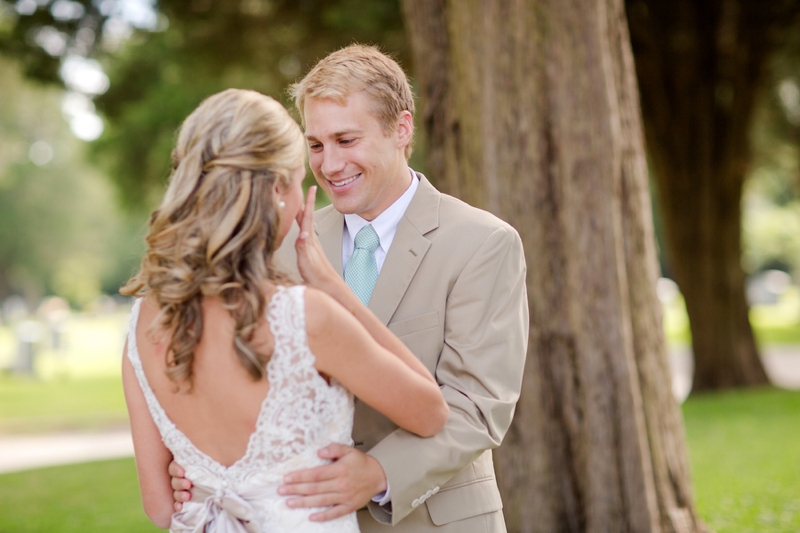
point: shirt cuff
(384, 498)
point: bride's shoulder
(319, 305)
(148, 315)
(324, 316)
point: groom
(450, 284)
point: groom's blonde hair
(216, 229)
(359, 68)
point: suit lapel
(406, 252)
(405, 255)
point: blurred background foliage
(771, 201)
(159, 77)
(61, 231)
(161, 64)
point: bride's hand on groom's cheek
(312, 263)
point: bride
(230, 367)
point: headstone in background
(14, 309)
(29, 333)
(767, 287)
(55, 312)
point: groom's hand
(180, 485)
(346, 485)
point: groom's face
(361, 168)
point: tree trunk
(699, 65)
(531, 111)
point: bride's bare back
(219, 413)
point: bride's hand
(312, 263)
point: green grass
(33, 406)
(745, 454)
(92, 497)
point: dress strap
(133, 353)
(164, 424)
(287, 322)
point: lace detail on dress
(300, 414)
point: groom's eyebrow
(336, 135)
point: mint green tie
(361, 271)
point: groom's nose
(332, 162)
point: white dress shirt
(385, 225)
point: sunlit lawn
(87, 498)
(32, 406)
(745, 456)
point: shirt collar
(385, 224)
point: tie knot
(367, 239)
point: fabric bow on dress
(223, 510)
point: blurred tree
(702, 66)
(160, 72)
(60, 231)
(531, 111)
(159, 78)
(38, 34)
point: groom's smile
(344, 182)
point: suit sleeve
(479, 371)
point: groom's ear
(405, 129)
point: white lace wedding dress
(300, 414)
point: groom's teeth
(344, 182)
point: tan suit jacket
(452, 288)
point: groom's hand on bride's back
(345, 485)
(180, 485)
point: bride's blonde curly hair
(215, 231)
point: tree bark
(531, 111)
(700, 64)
